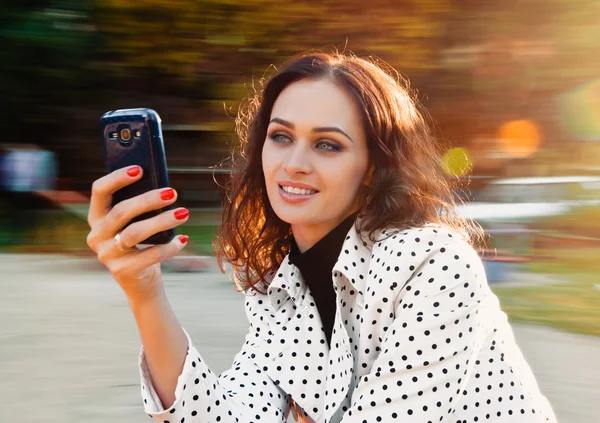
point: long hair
(408, 188)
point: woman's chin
(296, 216)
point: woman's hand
(137, 271)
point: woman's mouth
(296, 195)
(298, 191)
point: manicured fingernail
(182, 214)
(133, 171)
(183, 239)
(167, 194)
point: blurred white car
(523, 200)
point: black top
(316, 264)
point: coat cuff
(152, 403)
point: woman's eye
(279, 137)
(328, 146)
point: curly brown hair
(408, 188)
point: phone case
(146, 151)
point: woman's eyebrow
(316, 130)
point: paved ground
(68, 344)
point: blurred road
(68, 344)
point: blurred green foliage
(60, 56)
(583, 222)
(58, 231)
(573, 304)
(182, 38)
(46, 47)
(65, 62)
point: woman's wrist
(153, 296)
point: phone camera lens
(137, 133)
(125, 134)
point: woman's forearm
(165, 343)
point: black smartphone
(134, 137)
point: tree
(45, 49)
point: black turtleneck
(316, 264)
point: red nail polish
(182, 214)
(184, 239)
(167, 194)
(133, 171)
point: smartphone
(134, 137)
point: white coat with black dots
(418, 337)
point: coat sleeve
(243, 393)
(428, 350)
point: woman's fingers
(137, 271)
(142, 259)
(139, 231)
(105, 187)
(121, 214)
(125, 211)
(160, 253)
(135, 233)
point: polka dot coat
(418, 337)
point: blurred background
(513, 87)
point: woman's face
(315, 158)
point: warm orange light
(519, 138)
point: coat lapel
(296, 321)
(353, 261)
(292, 305)
(340, 368)
(349, 279)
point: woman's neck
(306, 236)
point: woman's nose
(298, 160)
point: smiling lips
(301, 191)
(296, 194)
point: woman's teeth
(299, 191)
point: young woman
(365, 298)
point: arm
(427, 353)
(244, 393)
(164, 342)
(180, 379)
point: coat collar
(288, 291)
(290, 299)
(287, 283)
(352, 262)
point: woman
(365, 299)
